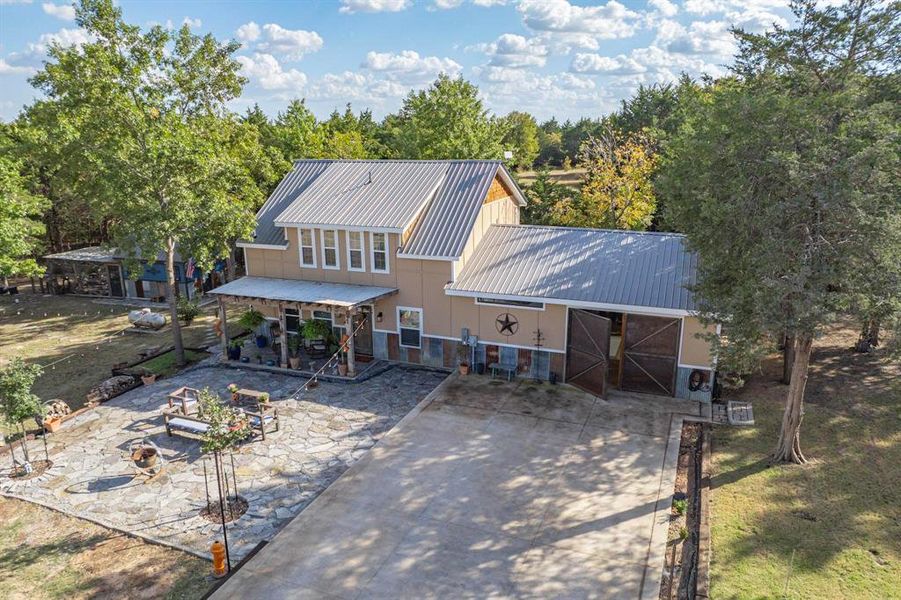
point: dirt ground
(80, 339)
(44, 554)
(828, 529)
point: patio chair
(185, 399)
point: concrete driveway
(489, 490)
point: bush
(680, 506)
(316, 330)
(188, 310)
(251, 319)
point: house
(99, 271)
(426, 262)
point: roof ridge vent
(368, 177)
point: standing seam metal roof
(445, 226)
(293, 184)
(366, 193)
(627, 268)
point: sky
(560, 58)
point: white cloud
(408, 66)
(488, 3)
(354, 86)
(607, 21)
(606, 65)
(354, 6)
(664, 7)
(64, 37)
(265, 70)
(192, 23)
(66, 12)
(708, 7)
(248, 32)
(511, 50)
(700, 37)
(8, 69)
(291, 44)
(449, 4)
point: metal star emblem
(506, 324)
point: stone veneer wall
(439, 352)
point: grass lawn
(80, 339)
(571, 178)
(164, 364)
(44, 554)
(829, 529)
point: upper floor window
(307, 254)
(355, 251)
(330, 249)
(380, 252)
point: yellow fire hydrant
(218, 551)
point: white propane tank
(147, 319)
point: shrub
(680, 506)
(188, 309)
(251, 319)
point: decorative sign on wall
(506, 324)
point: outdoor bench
(509, 370)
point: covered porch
(287, 304)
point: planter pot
(52, 425)
(234, 352)
(144, 458)
(342, 369)
(262, 340)
(294, 361)
(148, 379)
(464, 369)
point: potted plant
(264, 398)
(234, 350)
(294, 343)
(148, 378)
(252, 319)
(144, 457)
(233, 390)
(342, 367)
(187, 310)
(463, 353)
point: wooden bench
(510, 370)
(259, 421)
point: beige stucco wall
(504, 210)
(695, 351)
(421, 285)
(480, 319)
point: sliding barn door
(651, 350)
(588, 351)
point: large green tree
(448, 120)
(169, 163)
(521, 138)
(785, 181)
(20, 226)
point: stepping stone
(740, 413)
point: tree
(168, 163)
(297, 133)
(616, 189)
(18, 401)
(20, 225)
(785, 180)
(448, 120)
(522, 139)
(550, 143)
(547, 200)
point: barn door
(651, 350)
(588, 351)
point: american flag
(189, 272)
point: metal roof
(89, 254)
(375, 194)
(294, 183)
(587, 267)
(445, 226)
(297, 290)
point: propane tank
(218, 552)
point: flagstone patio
(322, 433)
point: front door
(363, 337)
(588, 351)
(115, 281)
(650, 354)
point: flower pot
(53, 424)
(464, 369)
(262, 340)
(148, 379)
(294, 361)
(342, 369)
(144, 458)
(234, 352)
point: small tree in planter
(463, 358)
(18, 402)
(317, 330)
(252, 319)
(294, 343)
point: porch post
(224, 326)
(349, 324)
(283, 333)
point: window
(409, 322)
(292, 321)
(511, 303)
(307, 255)
(330, 249)
(355, 251)
(380, 252)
